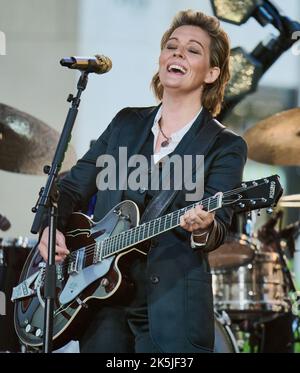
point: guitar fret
(104, 248)
(139, 234)
(144, 227)
(152, 228)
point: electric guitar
(100, 254)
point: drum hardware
(290, 201)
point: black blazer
(180, 301)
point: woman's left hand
(197, 220)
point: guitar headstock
(254, 195)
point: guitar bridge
(76, 264)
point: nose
(179, 53)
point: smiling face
(184, 63)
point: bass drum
(225, 341)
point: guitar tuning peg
(270, 210)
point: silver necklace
(165, 143)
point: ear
(212, 75)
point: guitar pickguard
(77, 282)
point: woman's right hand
(61, 250)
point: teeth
(177, 67)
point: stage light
(235, 11)
(245, 74)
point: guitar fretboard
(133, 236)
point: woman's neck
(178, 111)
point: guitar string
(114, 239)
(89, 250)
(167, 217)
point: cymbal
(292, 200)
(27, 143)
(276, 140)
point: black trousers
(117, 329)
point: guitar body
(108, 280)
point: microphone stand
(47, 202)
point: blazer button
(154, 279)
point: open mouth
(177, 69)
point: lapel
(133, 134)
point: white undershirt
(175, 137)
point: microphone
(99, 64)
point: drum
(256, 290)
(13, 253)
(237, 250)
(225, 341)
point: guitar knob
(29, 328)
(39, 333)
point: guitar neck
(141, 233)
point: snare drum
(255, 290)
(237, 250)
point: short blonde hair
(213, 94)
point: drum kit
(255, 295)
(252, 282)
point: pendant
(165, 143)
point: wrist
(202, 232)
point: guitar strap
(162, 200)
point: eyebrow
(192, 40)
